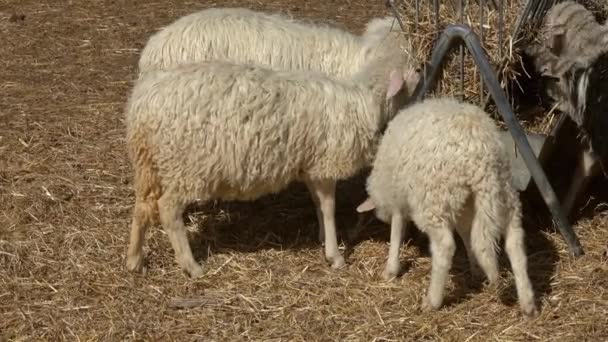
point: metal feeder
(527, 147)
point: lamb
(225, 131)
(274, 40)
(441, 164)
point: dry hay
(496, 38)
(503, 49)
(66, 201)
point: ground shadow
(286, 220)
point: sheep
(274, 40)
(224, 131)
(587, 104)
(442, 165)
(570, 30)
(569, 36)
(577, 46)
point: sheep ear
(412, 77)
(367, 205)
(395, 83)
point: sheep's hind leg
(443, 247)
(464, 227)
(392, 264)
(316, 201)
(474, 268)
(515, 248)
(141, 220)
(325, 190)
(170, 212)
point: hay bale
(423, 22)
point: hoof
(338, 262)
(428, 306)
(530, 311)
(135, 263)
(389, 275)
(196, 271)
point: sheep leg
(325, 190)
(170, 213)
(463, 227)
(514, 246)
(587, 168)
(465, 235)
(442, 253)
(141, 221)
(392, 265)
(317, 202)
(483, 247)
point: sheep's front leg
(315, 199)
(392, 264)
(587, 167)
(442, 253)
(325, 190)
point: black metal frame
(458, 35)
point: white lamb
(245, 36)
(441, 164)
(226, 131)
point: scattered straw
(66, 201)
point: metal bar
(390, 4)
(454, 35)
(417, 15)
(482, 4)
(437, 33)
(501, 26)
(436, 10)
(461, 48)
(535, 9)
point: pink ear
(394, 84)
(412, 77)
(367, 205)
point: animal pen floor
(66, 198)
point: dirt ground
(65, 203)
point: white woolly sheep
(441, 164)
(241, 35)
(218, 130)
